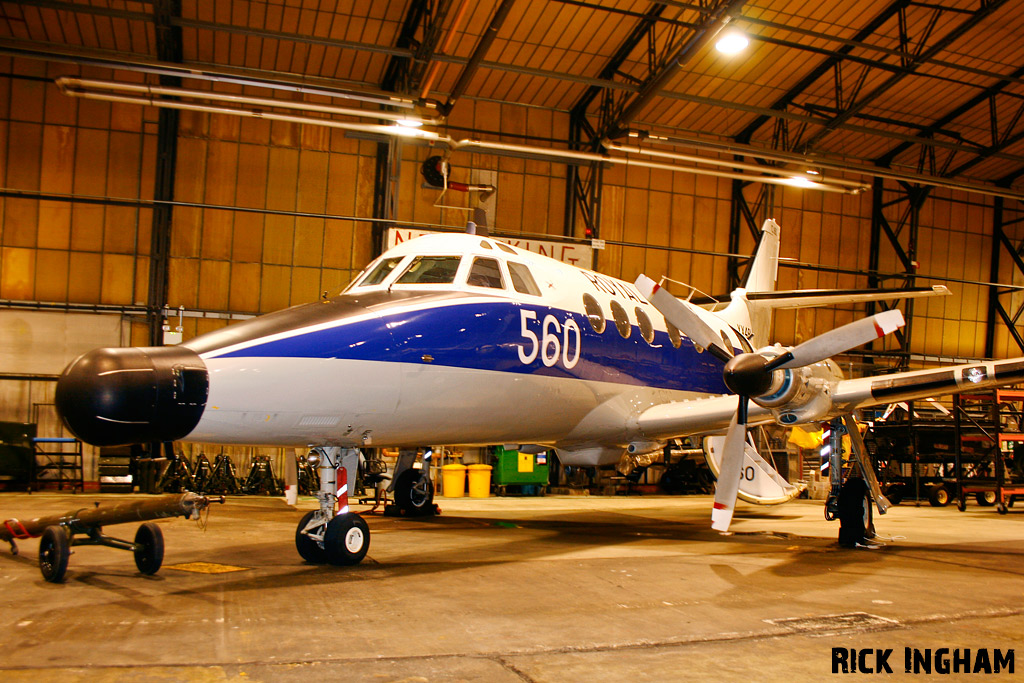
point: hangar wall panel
(279, 239)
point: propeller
(750, 375)
(683, 317)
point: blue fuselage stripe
(490, 336)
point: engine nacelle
(798, 395)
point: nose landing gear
(333, 534)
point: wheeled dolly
(57, 534)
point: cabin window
(430, 270)
(594, 313)
(485, 273)
(379, 272)
(505, 247)
(485, 245)
(646, 328)
(522, 280)
(673, 334)
(621, 319)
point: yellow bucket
(454, 478)
(479, 481)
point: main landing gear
(412, 488)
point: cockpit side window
(485, 273)
(522, 280)
(506, 248)
(430, 270)
(379, 272)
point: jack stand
(203, 472)
(223, 479)
(178, 476)
(261, 478)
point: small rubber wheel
(1001, 508)
(309, 549)
(54, 551)
(414, 494)
(149, 548)
(346, 540)
(961, 503)
(985, 498)
(939, 496)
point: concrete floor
(517, 589)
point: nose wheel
(332, 534)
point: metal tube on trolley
(81, 521)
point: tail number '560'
(556, 340)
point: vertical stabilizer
(748, 316)
(765, 268)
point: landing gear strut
(333, 534)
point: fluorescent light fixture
(800, 181)
(409, 123)
(731, 43)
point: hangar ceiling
(925, 91)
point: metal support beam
(713, 22)
(583, 185)
(897, 219)
(996, 310)
(169, 49)
(746, 214)
(482, 46)
(747, 133)
(397, 74)
(912, 61)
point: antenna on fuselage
(478, 226)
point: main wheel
(309, 550)
(54, 551)
(986, 498)
(346, 539)
(939, 496)
(894, 494)
(149, 548)
(414, 493)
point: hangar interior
(183, 164)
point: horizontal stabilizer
(826, 297)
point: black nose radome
(117, 396)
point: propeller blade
(680, 315)
(728, 484)
(839, 340)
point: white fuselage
(559, 356)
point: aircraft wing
(699, 416)
(905, 386)
(710, 415)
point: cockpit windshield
(380, 271)
(430, 270)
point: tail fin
(751, 306)
(748, 316)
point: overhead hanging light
(732, 42)
(801, 181)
